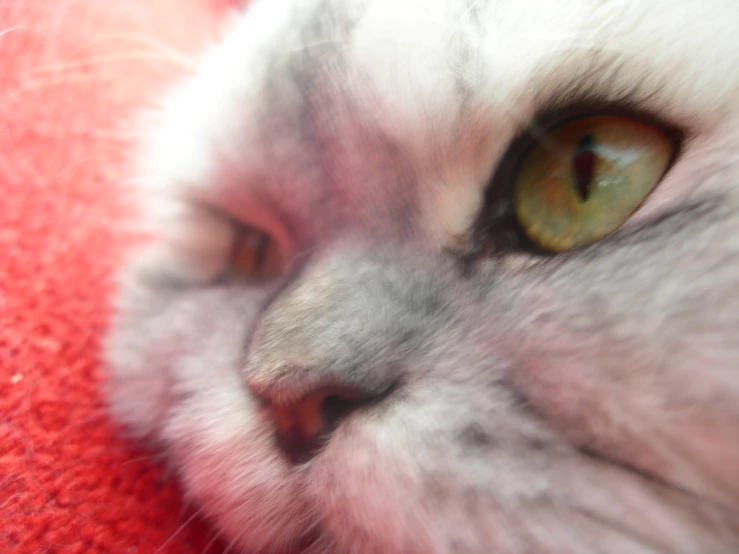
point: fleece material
(71, 74)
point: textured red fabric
(71, 71)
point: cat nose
(304, 426)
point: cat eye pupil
(583, 166)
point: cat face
(387, 366)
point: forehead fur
(418, 100)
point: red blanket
(70, 73)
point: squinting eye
(586, 177)
(256, 256)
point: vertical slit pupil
(583, 166)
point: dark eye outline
(496, 229)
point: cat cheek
(232, 440)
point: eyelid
(545, 120)
(191, 245)
(246, 216)
(591, 80)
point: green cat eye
(587, 177)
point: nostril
(304, 427)
(334, 408)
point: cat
(445, 277)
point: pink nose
(303, 427)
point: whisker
(102, 60)
(236, 539)
(12, 30)
(140, 39)
(36, 85)
(211, 542)
(178, 531)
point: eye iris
(572, 190)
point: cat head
(345, 330)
